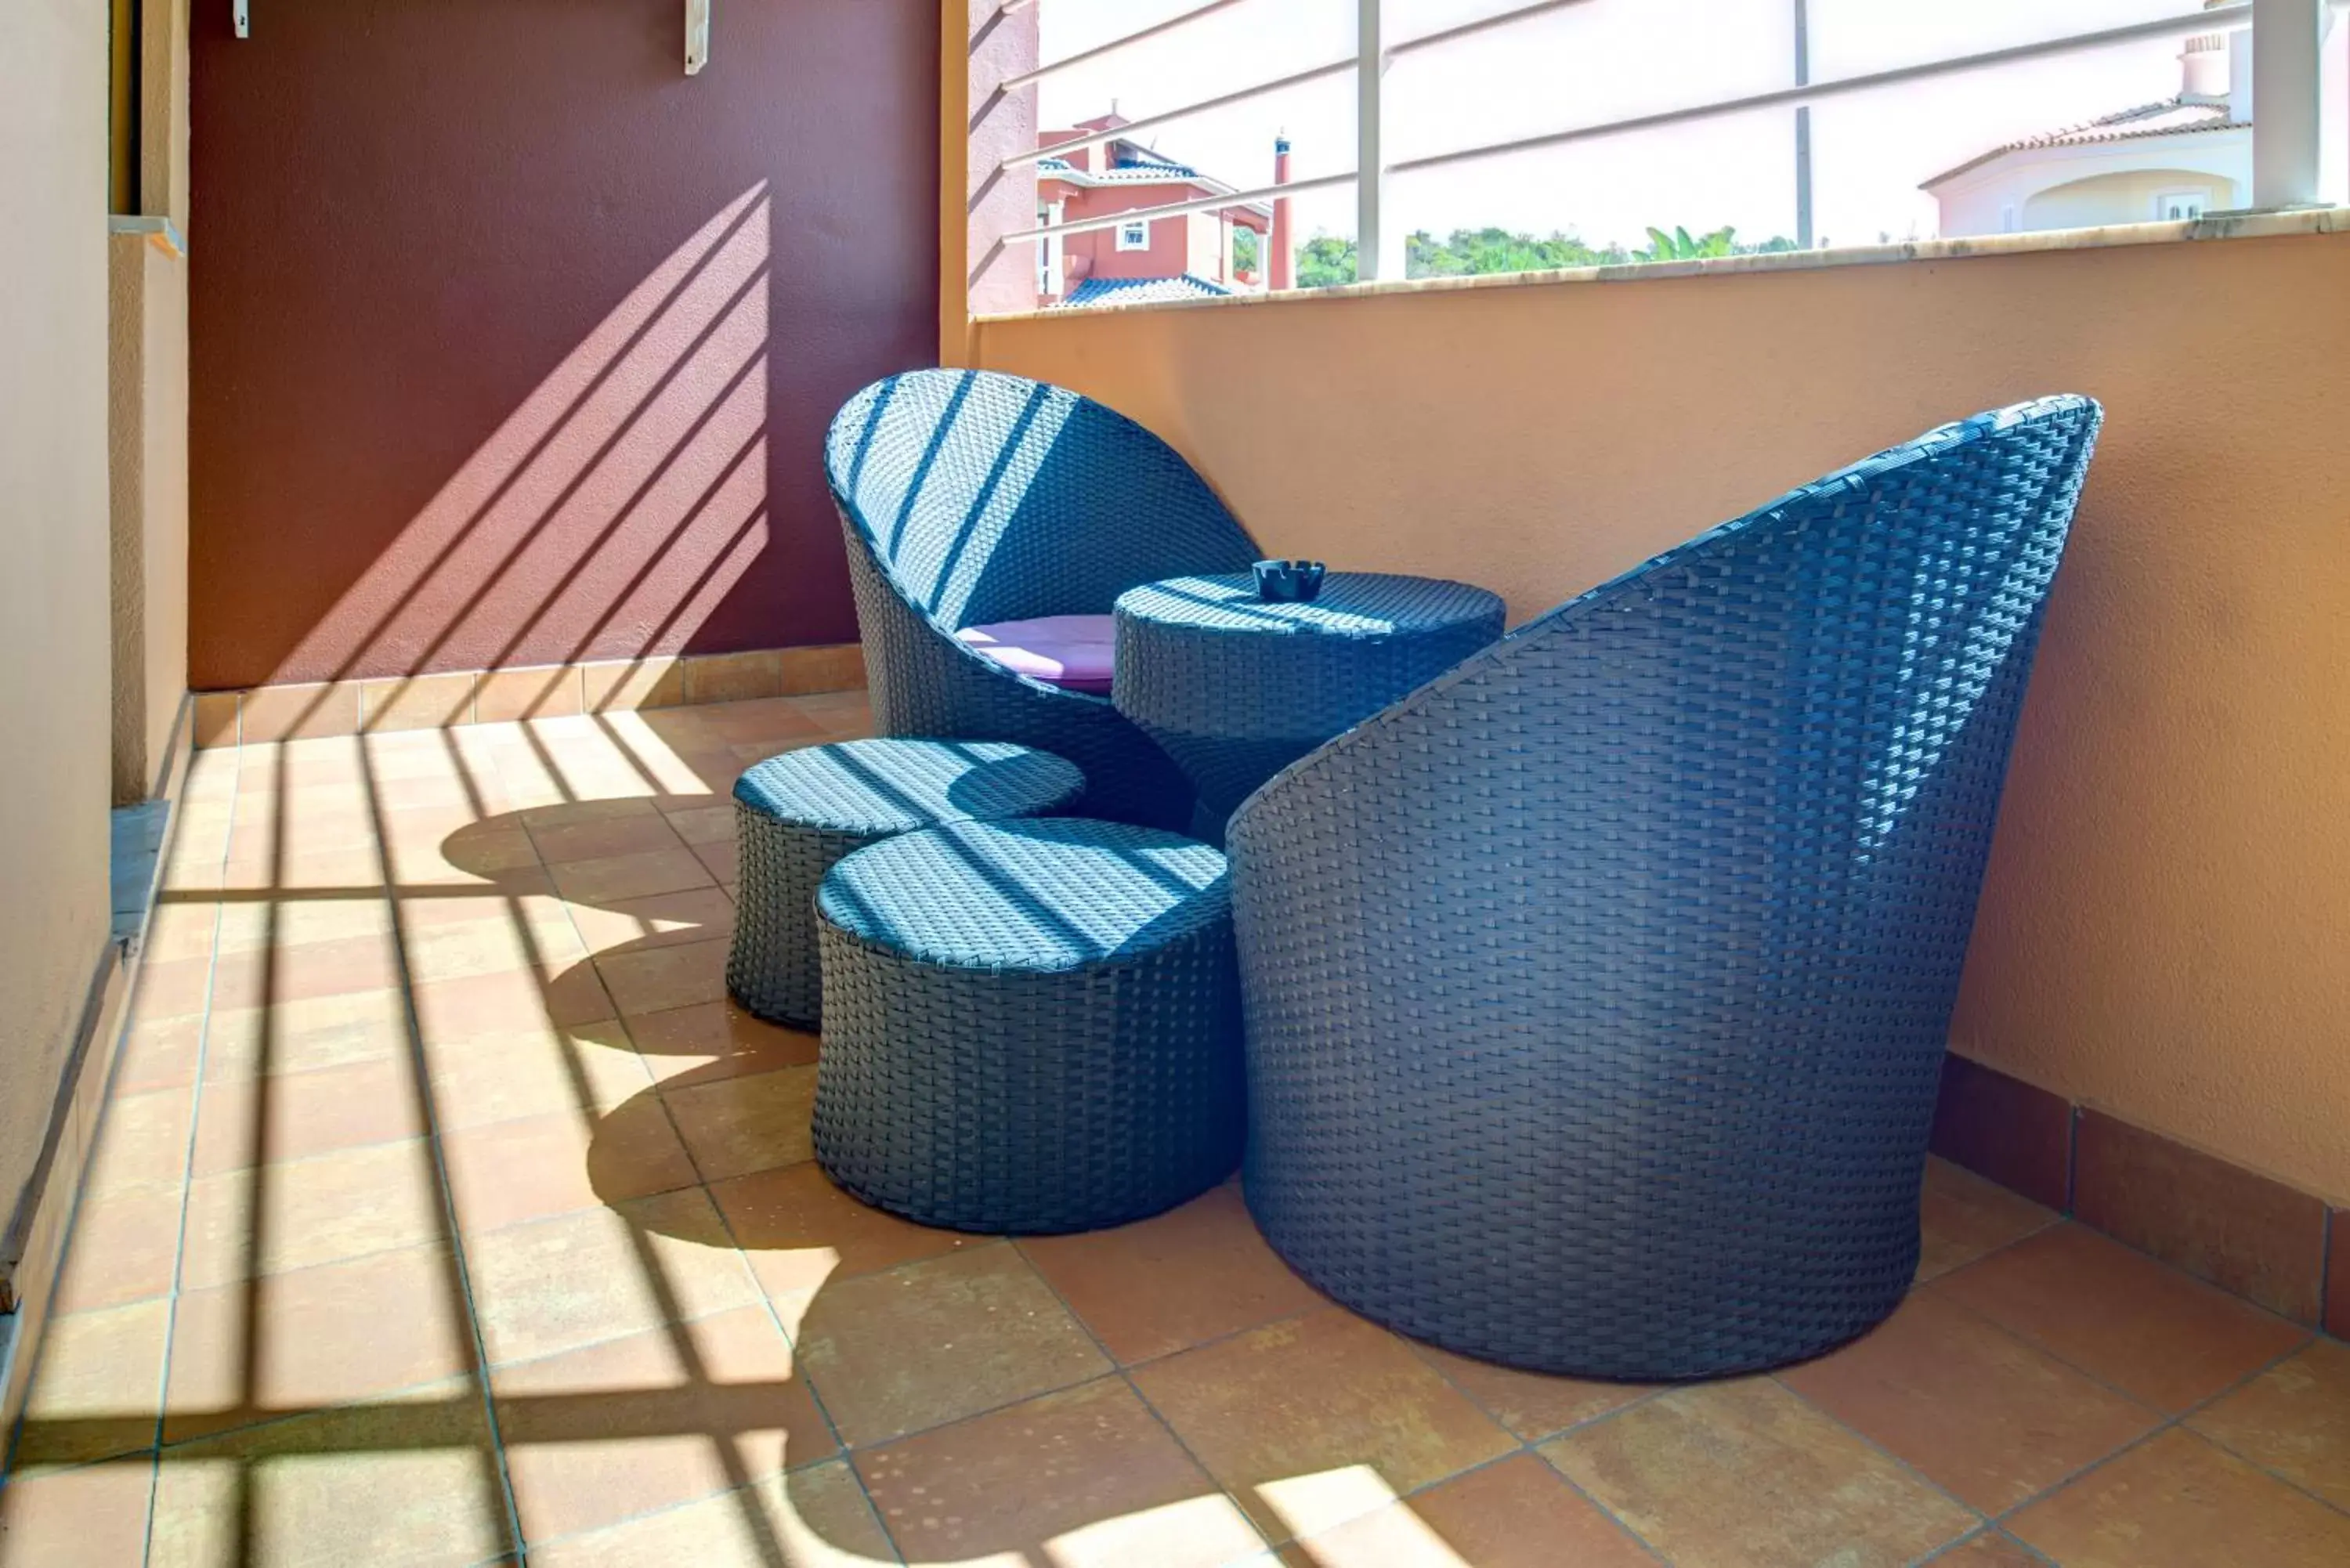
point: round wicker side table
(1029, 1026)
(1235, 688)
(796, 815)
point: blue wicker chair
(971, 498)
(1596, 993)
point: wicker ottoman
(1029, 1026)
(797, 814)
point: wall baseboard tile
(444, 699)
(2247, 1233)
(2018, 1135)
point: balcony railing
(2286, 130)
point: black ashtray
(1289, 582)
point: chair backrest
(985, 497)
(1770, 756)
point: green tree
(1245, 249)
(1678, 247)
(1327, 260)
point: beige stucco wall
(148, 436)
(54, 544)
(2166, 928)
(2123, 198)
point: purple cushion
(1071, 651)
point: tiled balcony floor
(444, 1210)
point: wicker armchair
(971, 498)
(1597, 991)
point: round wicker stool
(1029, 1026)
(797, 814)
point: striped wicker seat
(1029, 1026)
(797, 814)
(1597, 994)
(971, 498)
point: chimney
(2204, 69)
(1281, 266)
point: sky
(1600, 61)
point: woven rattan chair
(971, 498)
(1596, 993)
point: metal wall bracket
(242, 11)
(697, 36)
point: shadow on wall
(625, 498)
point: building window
(2178, 206)
(1134, 236)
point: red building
(1189, 256)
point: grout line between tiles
(1124, 1374)
(187, 1178)
(420, 1064)
(1533, 1446)
(746, 1484)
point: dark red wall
(514, 345)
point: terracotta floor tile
(815, 1518)
(509, 942)
(162, 1055)
(1169, 1283)
(665, 920)
(1313, 1421)
(307, 1212)
(1518, 1514)
(1744, 1474)
(716, 1040)
(506, 1173)
(933, 1342)
(519, 999)
(627, 876)
(413, 1482)
(768, 719)
(479, 851)
(801, 1233)
(2180, 1502)
(2120, 1316)
(297, 1036)
(94, 1516)
(181, 932)
(2292, 1420)
(666, 975)
(721, 857)
(294, 1116)
(1976, 1410)
(603, 1274)
(641, 832)
(335, 1335)
(349, 873)
(142, 1141)
(98, 1385)
(123, 1247)
(1964, 1216)
(1990, 1550)
(518, 900)
(501, 1077)
(299, 972)
(1532, 1405)
(568, 812)
(737, 1124)
(173, 987)
(597, 1436)
(704, 824)
(1082, 1479)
